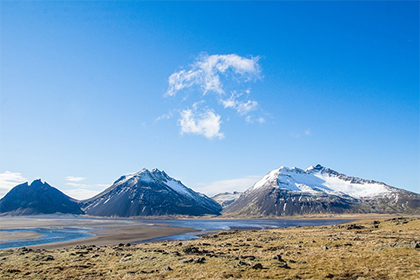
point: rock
(199, 260)
(279, 258)
(188, 260)
(354, 226)
(284, 265)
(248, 257)
(414, 244)
(324, 247)
(241, 263)
(191, 250)
(257, 266)
(13, 271)
(168, 268)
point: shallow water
(53, 234)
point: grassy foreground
(386, 249)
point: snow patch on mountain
(318, 179)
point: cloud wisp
(214, 74)
(8, 180)
(207, 73)
(242, 107)
(75, 179)
(230, 185)
(80, 190)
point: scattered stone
(354, 226)
(284, 265)
(257, 266)
(191, 250)
(168, 268)
(241, 263)
(188, 260)
(323, 247)
(199, 260)
(248, 257)
(279, 258)
(43, 258)
(393, 245)
(13, 271)
(414, 244)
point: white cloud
(259, 120)
(242, 107)
(207, 71)
(201, 122)
(81, 194)
(75, 179)
(231, 185)
(8, 180)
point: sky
(216, 94)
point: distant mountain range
(282, 192)
(290, 191)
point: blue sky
(217, 94)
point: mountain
(149, 193)
(37, 198)
(290, 191)
(226, 198)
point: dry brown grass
(365, 251)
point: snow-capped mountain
(226, 198)
(289, 191)
(149, 193)
(37, 198)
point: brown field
(382, 249)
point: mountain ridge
(37, 198)
(318, 189)
(149, 193)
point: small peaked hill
(37, 198)
(291, 191)
(227, 198)
(149, 193)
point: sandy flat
(4, 236)
(107, 231)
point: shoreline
(111, 231)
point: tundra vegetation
(376, 249)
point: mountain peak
(37, 182)
(37, 198)
(318, 189)
(315, 168)
(149, 193)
